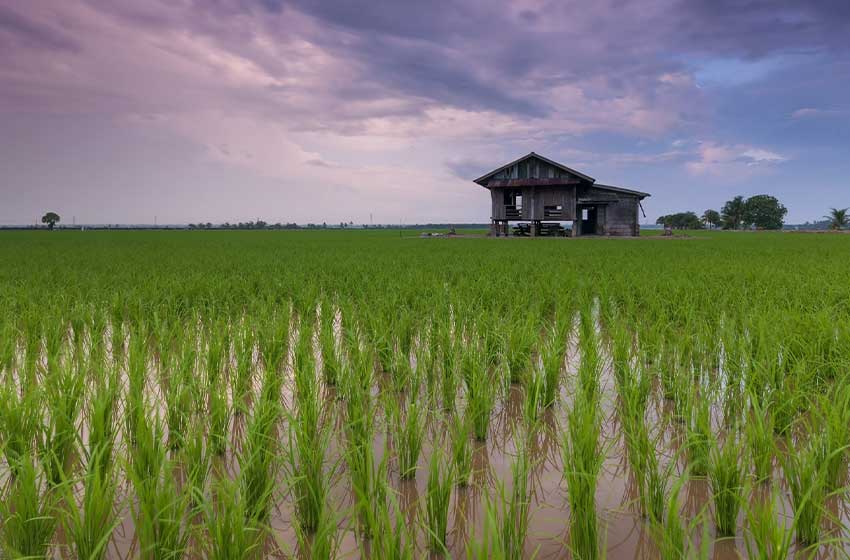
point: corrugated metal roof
(621, 189)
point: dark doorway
(587, 220)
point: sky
(121, 111)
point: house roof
(483, 180)
(560, 166)
(641, 194)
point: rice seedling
(535, 399)
(160, 509)
(699, 438)
(460, 431)
(669, 530)
(726, 475)
(89, 525)
(63, 396)
(804, 473)
(21, 422)
(258, 461)
(835, 424)
(28, 513)
(321, 543)
(438, 491)
(582, 462)
(480, 392)
(514, 508)
(521, 336)
(233, 532)
(767, 537)
(759, 434)
(394, 539)
(553, 352)
(408, 428)
(331, 365)
(195, 459)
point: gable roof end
(482, 180)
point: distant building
(542, 193)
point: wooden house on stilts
(539, 194)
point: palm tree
(838, 218)
(711, 218)
(733, 213)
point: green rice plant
(767, 537)
(272, 340)
(553, 353)
(654, 488)
(521, 335)
(159, 511)
(231, 531)
(242, 376)
(306, 471)
(258, 460)
(582, 462)
(134, 399)
(21, 421)
(438, 492)
(308, 439)
(620, 352)
(534, 399)
(331, 364)
(460, 431)
(835, 424)
(89, 526)
(698, 438)
(64, 397)
(759, 434)
(394, 539)
(196, 462)
(366, 474)
(219, 421)
(368, 482)
(408, 434)
(590, 365)
(102, 420)
(514, 507)
(178, 396)
(804, 473)
(668, 529)
(488, 545)
(726, 474)
(27, 513)
(449, 362)
(323, 542)
(481, 393)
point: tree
(764, 212)
(838, 218)
(732, 213)
(711, 218)
(680, 220)
(51, 219)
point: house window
(552, 211)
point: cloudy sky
(329, 110)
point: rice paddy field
(364, 394)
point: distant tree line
(761, 211)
